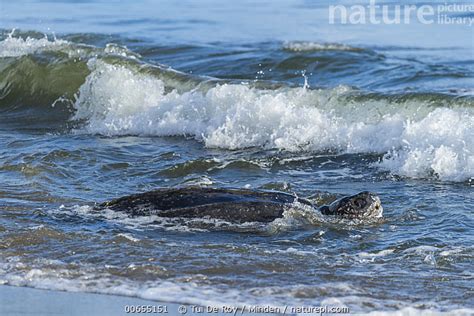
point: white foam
(381, 253)
(128, 237)
(86, 279)
(442, 142)
(413, 311)
(195, 289)
(452, 251)
(423, 249)
(16, 46)
(153, 222)
(13, 46)
(303, 46)
(420, 141)
(292, 250)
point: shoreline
(21, 301)
(30, 301)
(18, 300)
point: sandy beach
(28, 301)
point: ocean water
(102, 99)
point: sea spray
(116, 100)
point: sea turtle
(237, 205)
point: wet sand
(28, 301)
(15, 301)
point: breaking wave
(111, 91)
(419, 139)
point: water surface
(101, 99)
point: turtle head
(362, 205)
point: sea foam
(16, 46)
(418, 140)
(305, 46)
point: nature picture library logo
(375, 13)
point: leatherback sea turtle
(237, 205)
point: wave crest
(116, 100)
(119, 94)
(305, 46)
